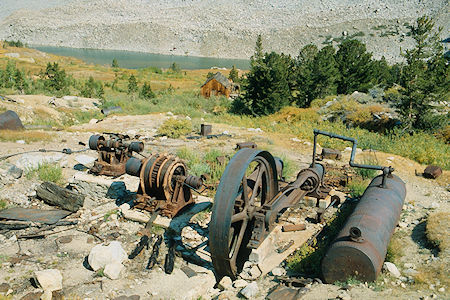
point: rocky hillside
(221, 28)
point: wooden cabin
(218, 85)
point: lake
(136, 60)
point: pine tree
(234, 75)
(55, 79)
(303, 88)
(132, 85)
(325, 74)
(267, 88)
(20, 82)
(115, 64)
(146, 92)
(354, 66)
(424, 78)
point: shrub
(46, 172)
(174, 128)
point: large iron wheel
(249, 180)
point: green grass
(357, 187)
(307, 259)
(46, 172)
(367, 173)
(3, 204)
(174, 128)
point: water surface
(136, 60)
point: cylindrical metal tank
(360, 247)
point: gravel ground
(226, 29)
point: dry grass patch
(437, 231)
(26, 135)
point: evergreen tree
(8, 74)
(325, 74)
(354, 66)
(267, 88)
(424, 78)
(55, 79)
(209, 75)
(259, 55)
(115, 64)
(303, 68)
(20, 82)
(132, 85)
(234, 75)
(381, 73)
(146, 92)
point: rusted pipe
(360, 248)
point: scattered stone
(410, 272)
(4, 287)
(343, 295)
(278, 271)
(295, 139)
(442, 289)
(33, 160)
(20, 142)
(226, 295)
(132, 297)
(240, 283)
(250, 291)
(134, 215)
(391, 268)
(225, 283)
(85, 159)
(32, 296)
(50, 280)
(255, 272)
(100, 255)
(15, 172)
(409, 266)
(113, 269)
(93, 121)
(402, 224)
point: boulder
(391, 268)
(250, 291)
(10, 120)
(225, 283)
(50, 280)
(113, 269)
(85, 159)
(100, 255)
(15, 172)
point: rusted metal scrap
(34, 215)
(9, 120)
(113, 153)
(251, 194)
(432, 172)
(165, 184)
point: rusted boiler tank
(360, 248)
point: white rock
(344, 295)
(348, 149)
(240, 283)
(70, 98)
(93, 121)
(278, 271)
(101, 255)
(250, 291)
(225, 283)
(33, 160)
(50, 280)
(112, 270)
(84, 159)
(442, 289)
(409, 266)
(188, 118)
(410, 272)
(20, 142)
(136, 216)
(169, 113)
(296, 139)
(391, 268)
(402, 224)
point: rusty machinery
(165, 184)
(250, 197)
(113, 153)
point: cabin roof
(220, 78)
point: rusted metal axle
(113, 153)
(164, 185)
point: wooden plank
(267, 255)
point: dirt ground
(67, 247)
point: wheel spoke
(244, 191)
(237, 244)
(239, 216)
(256, 186)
